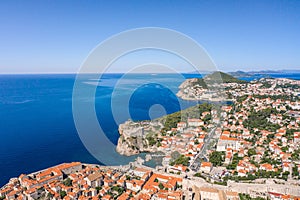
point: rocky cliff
(137, 137)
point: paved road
(203, 150)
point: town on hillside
(247, 149)
(253, 140)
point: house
(227, 108)
(134, 185)
(286, 167)
(201, 138)
(227, 142)
(181, 126)
(195, 122)
(228, 157)
(5, 191)
(68, 168)
(296, 137)
(94, 180)
(142, 196)
(177, 168)
(206, 167)
(267, 167)
(125, 196)
(152, 184)
(242, 172)
(108, 182)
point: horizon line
(32, 73)
(193, 72)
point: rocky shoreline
(135, 137)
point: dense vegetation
(275, 97)
(180, 160)
(266, 85)
(67, 182)
(225, 78)
(171, 120)
(288, 85)
(217, 158)
(240, 99)
(151, 140)
(217, 77)
(118, 189)
(234, 162)
(259, 119)
(200, 82)
(62, 194)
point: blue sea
(36, 122)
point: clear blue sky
(56, 36)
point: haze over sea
(36, 122)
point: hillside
(215, 77)
(226, 78)
(143, 136)
(207, 88)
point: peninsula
(248, 149)
(254, 139)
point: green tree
(63, 194)
(259, 119)
(183, 160)
(67, 182)
(161, 186)
(284, 149)
(295, 171)
(49, 196)
(251, 152)
(217, 158)
(151, 140)
(295, 155)
(158, 144)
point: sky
(52, 36)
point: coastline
(138, 133)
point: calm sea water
(36, 123)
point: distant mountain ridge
(263, 72)
(239, 74)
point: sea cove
(32, 108)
